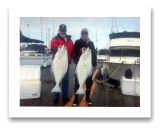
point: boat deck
(100, 96)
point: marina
(33, 51)
(116, 80)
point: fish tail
(80, 91)
(56, 89)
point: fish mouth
(63, 47)
(88, 50)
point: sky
(74, 25)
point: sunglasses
(84, 33)
(62, 30)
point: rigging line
(121, 53)
(116, 23)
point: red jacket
(57, 41)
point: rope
(113, 72)
(116, 23)
(135, 87)
(121, 53)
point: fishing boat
(124, 53)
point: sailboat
(35, 52)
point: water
(45, 72)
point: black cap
(62, 27)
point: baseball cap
(84, 30)
(62, 27)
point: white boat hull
(36, 61)
(121, 71)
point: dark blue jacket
(79, 44)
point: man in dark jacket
(80, 45)
(63, 39)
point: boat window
(103, 52)
(116, 52)
(132, 53)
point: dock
(101, 96)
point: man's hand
(94, 69)
(83, 49)
(59, 46)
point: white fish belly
(60, 68)
(83, 71)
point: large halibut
(59, 67)
(83, 69)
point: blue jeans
(64, 85)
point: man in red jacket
(63, 39)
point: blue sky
(75, 24)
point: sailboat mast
(112, 26)
(132, 24)
(74, 36)
(28, 24)
(46, 36)
(53, 28)
(41, 28)
(49, 38)
(96, 38)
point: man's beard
(62, 35)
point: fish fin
(76, 77)
(80, 91)
(56, 89)
(52, 71)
